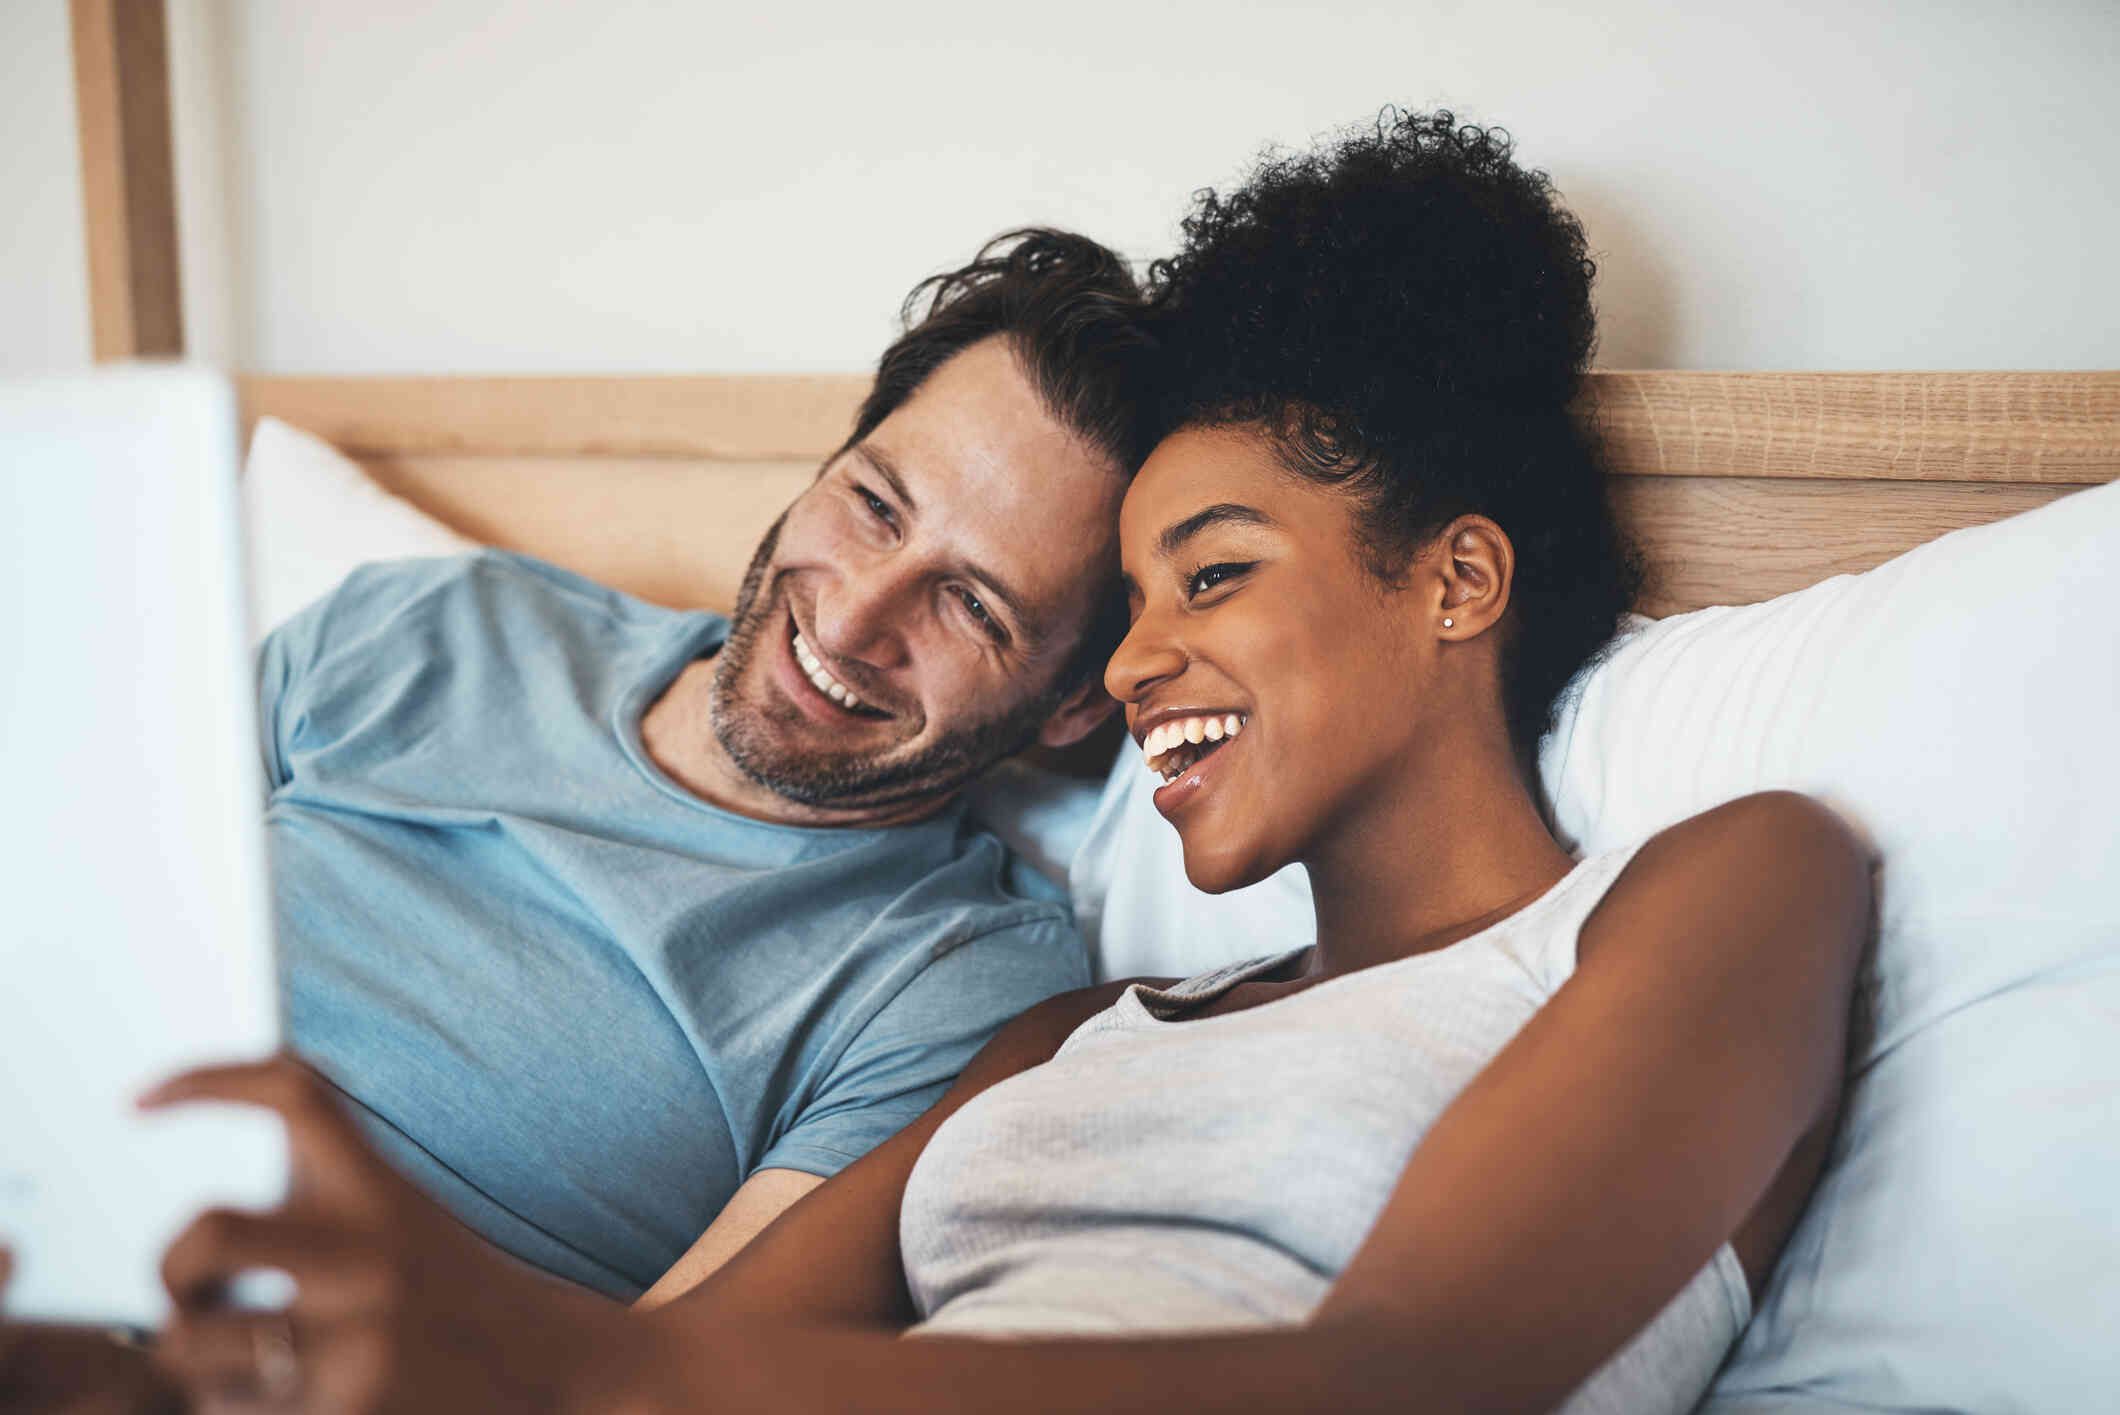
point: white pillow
(312, 515)
(1958, 705)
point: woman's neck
(1450, 844)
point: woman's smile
(1190, 751)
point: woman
(1514, 1130)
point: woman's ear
(1078, 715)
(1475, 564)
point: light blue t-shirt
(573, 1001)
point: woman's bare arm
(833, 1256)
(759, 1200)
(1585, 1176)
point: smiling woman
(1375, 540)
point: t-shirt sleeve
(910, 1051)
(341, 621)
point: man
(619, 927)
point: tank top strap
(1545, 936)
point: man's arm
(762, 1198)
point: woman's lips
(1200, 775)
(1183, 737)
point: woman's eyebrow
(1179, 532)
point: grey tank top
(1161, 1175)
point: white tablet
(135, 926)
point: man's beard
(849, 779)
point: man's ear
(1078, 715)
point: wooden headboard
(1738, 486)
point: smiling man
(619, 927)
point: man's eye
(878, 507)
(981, 615)
(1208, 576)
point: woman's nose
(1144, 658)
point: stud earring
(1446, 623)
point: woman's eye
(1208, 576)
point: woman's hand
(397, 1307)
(55, 1370)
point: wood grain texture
(2061, 428)
(2057, 428)
(128, 178)
(662, 486)
(729, 417)
(680, 531)
(1737, 540)
(675, 531)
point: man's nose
(1145, 657)
(864, 612)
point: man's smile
(831, 687)
(816, 690)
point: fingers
(220, 1353)
(333, 1271)
(277, 1083)
(331, 1157)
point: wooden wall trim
(1736, 540)
(725, 418)
(2052, 428)
(2056, 428)
(128, 178)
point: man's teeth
(831, 687)
(1161, 748)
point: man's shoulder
(505, 577)
(461, 597)
(977, 893)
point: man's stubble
(849, 779)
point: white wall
(625, 185)
(43, 261)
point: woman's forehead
(1200, 467)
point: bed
(1964, 1248)
(1870, 538)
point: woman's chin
(1220, 868)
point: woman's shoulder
(1768, 848)
(1033, 1037)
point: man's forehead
(986, 462)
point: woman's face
(1251, 605)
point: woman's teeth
(1172, 746)
(831, 687)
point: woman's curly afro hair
(1406, 314)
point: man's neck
(677, 732)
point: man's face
(906, 622)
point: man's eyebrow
(1029, 628)
(887, 469)
(1222, 512)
